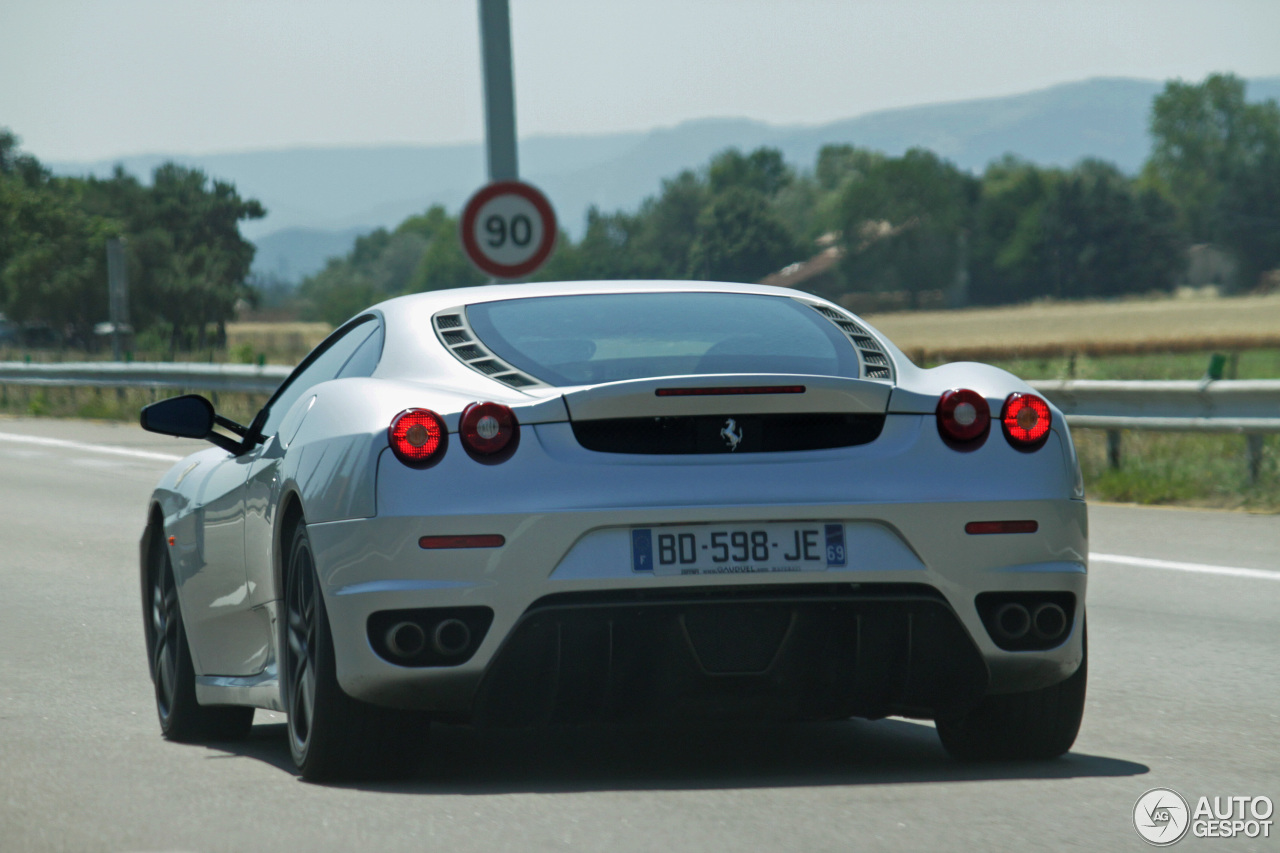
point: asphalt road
(1184, 693)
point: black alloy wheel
(1031, 726)
(182, 717)
(166, 619)
(300, 646)
(331, 735)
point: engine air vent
(453, 330)
(876, 363)
(487, 366)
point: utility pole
(499, 90)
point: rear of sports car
(716, 505)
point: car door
(353, 350)
(214, 591)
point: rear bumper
(554, 584)
(823, 651)
(566, 514)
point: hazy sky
(104, 78)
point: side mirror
(188, 416)
(191, 416)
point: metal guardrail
(231, 378)
(1230, 405)
(1239, 406)
(1247, 407)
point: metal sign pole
(117, 295)
(499, 90)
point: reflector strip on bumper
(488, 540)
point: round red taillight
(1026, 421)
(418, 437)
(489, 431)
(963, 416)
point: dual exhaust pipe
(1013, 621)
(449, 638)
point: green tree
(186, 260)
(664, 229)
(338, 292)
(1084, 233)
(15, 165)
(606, 251)
(187, 263)
(836, 167)
(52, 251)
(738, 238)
(1199, 134)
(1216, 157)
(443, 263)
(57, 271)
(904, 224)
(422, 253)
(1249, 212)
(1106, 238)
(838, 164)
(1007, 243)
(763, 170)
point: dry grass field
(280, 343)
(1089, 328)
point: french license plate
(714, 549)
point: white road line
(1201, 568)
(92, 448)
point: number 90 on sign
(508, 229)
(519, 231)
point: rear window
(587, 339)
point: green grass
(1186, 469)
(109, 404)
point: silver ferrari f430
(658, 501)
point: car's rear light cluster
(964, 420)
(1026, 421)
(489, 432)
(418, 437)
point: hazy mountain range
(320, 199)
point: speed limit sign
(508, 229)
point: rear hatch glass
(594, 338)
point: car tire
(331, 735)
(182, 717)
(1036, 725)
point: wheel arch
(151, 537)
(291, 515)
